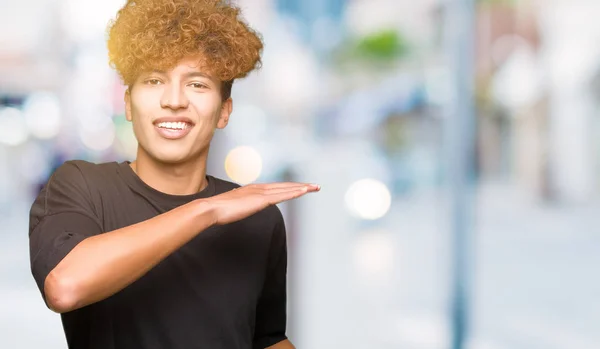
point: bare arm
(104, 264)
(285, 344)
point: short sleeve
(61, 216)
(271, 313)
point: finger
(277, 190)
(287, 195)
(309, 188)
(279, 185)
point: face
(175, 113)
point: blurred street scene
(354, 95)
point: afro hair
(156, 34)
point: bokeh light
(13, 130)
(368, 199)
(43, 115)
(98, 139)
(243, 164)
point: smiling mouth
(173, 130)
(174, 125)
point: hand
(245, 201)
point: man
(155, 253)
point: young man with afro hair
(155, 253)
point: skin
(104, 264)
(176, 166)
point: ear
(226, 109)
(128, 104)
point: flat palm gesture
(245, 201)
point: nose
(174, 97)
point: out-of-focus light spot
(98, 139)
(42, 115)
(518, 82)
(243, 164)
(95, 120)
(373, 256)
(13, 129)
(368, 199)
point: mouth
(173, 128)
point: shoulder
(68, 176)
(83, 174)
(86, 168)
(75, 169)
(80, 179)
(67, 190)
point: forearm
(102, 265)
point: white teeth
(173, 125)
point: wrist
(204, 211)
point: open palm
(245, 201)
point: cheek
(138, 129)
(206, 106)
(141, 121)
(142, 108)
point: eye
(152, 82)
(197, 85)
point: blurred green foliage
(384, 45)
(378, 50)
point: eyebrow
(197, 74)
(192, 74)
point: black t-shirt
(226, 288)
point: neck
(184, 178)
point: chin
(174, 156)
(171, 154)
(172, 159)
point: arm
(102, 264)
(285, 344)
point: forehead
(189, 65)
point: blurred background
(456, 143)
